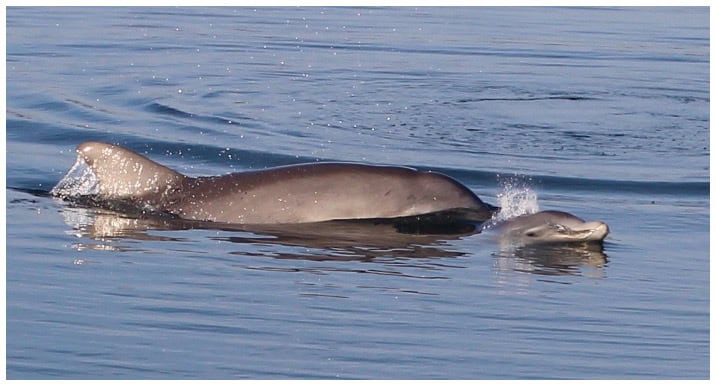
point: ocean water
(600, 112)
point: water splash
(80, 180)
(516, 197)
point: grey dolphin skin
(552, 226)
(300, 193)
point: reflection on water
(584, 259)
(362, 239)
(395, 246)
(400, 249)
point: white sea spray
(516, 197)
(80, 180)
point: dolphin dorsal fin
(123, 174)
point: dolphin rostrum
(289, 194)
(551, 226)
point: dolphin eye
(530, 234)
(558, 228)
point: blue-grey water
(603, 112)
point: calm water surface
(603, 113)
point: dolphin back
(111, 175)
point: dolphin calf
(551, 226)
(302, 193)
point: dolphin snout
(599, 230)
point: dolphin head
(552, 227)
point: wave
(174, 112)
(577, 184)
(695, 188)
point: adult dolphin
(300, 193)
(551, 226)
